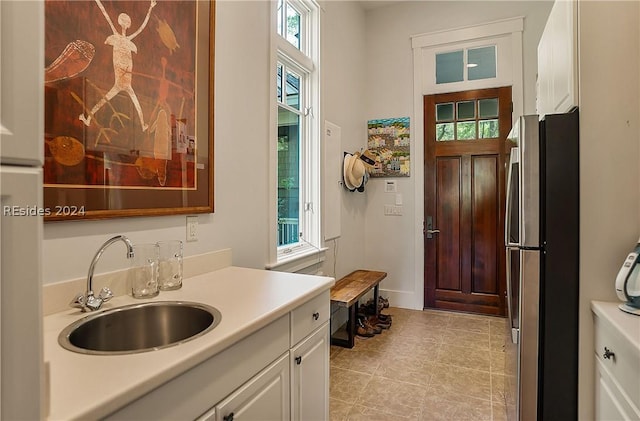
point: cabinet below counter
(617, 355)
(263, 328)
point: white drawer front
(309, 316)
(611, 402)
(624, 364)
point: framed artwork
(389, 140)
(128, 108)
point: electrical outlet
(192, 228)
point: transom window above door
(467, 120)
(466, 64)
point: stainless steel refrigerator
(22, 393)
(542, 241)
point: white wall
(240, 221)
(609, 47)
(390, 239)
(344, 89)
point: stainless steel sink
(139, 327)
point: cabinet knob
(298, 360)
(316, 315)
(608, 354)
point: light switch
(399, 199)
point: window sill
(299, 261)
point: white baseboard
(402, 299)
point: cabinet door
(22, 82)
(558, 61)
(608, 404)
(310, 377)
(265, 397)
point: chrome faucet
(87, 301)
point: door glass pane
(293, 90)
(466, 130)
(444, 112)
(466, 110)
(488, 129)
(488, 108)
(444, 131)
(481, 63)
(293, 26)
(288, 176)
(449, 67)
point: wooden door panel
(465, 195)
(447, 220)
(484, 199)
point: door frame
(511, 73)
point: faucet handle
(105, 294)
(78, 301)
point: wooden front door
(465, 155)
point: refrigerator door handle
(515, 335)
(511, 311)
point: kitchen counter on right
(617, 353)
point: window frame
(304, 62)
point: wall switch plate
(392, 210)
(192, 228)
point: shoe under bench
(345, 293)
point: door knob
(433, 231)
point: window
(297, 130)
(474, 63)
(467, 120)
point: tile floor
(431, 365)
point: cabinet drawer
(624, 364)
(309, 316)
(611, 402)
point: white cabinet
(22, 82)
(265, 397)
(310, 377)
(558, 60)
(265, 376)
(617, 354)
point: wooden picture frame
(128, 108)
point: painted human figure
(123, 48)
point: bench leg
(353, 311)
(376, 296)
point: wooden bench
(346, 293)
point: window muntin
(467, 120)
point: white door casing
(507, 36)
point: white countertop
(93, 386)
(627, 324)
